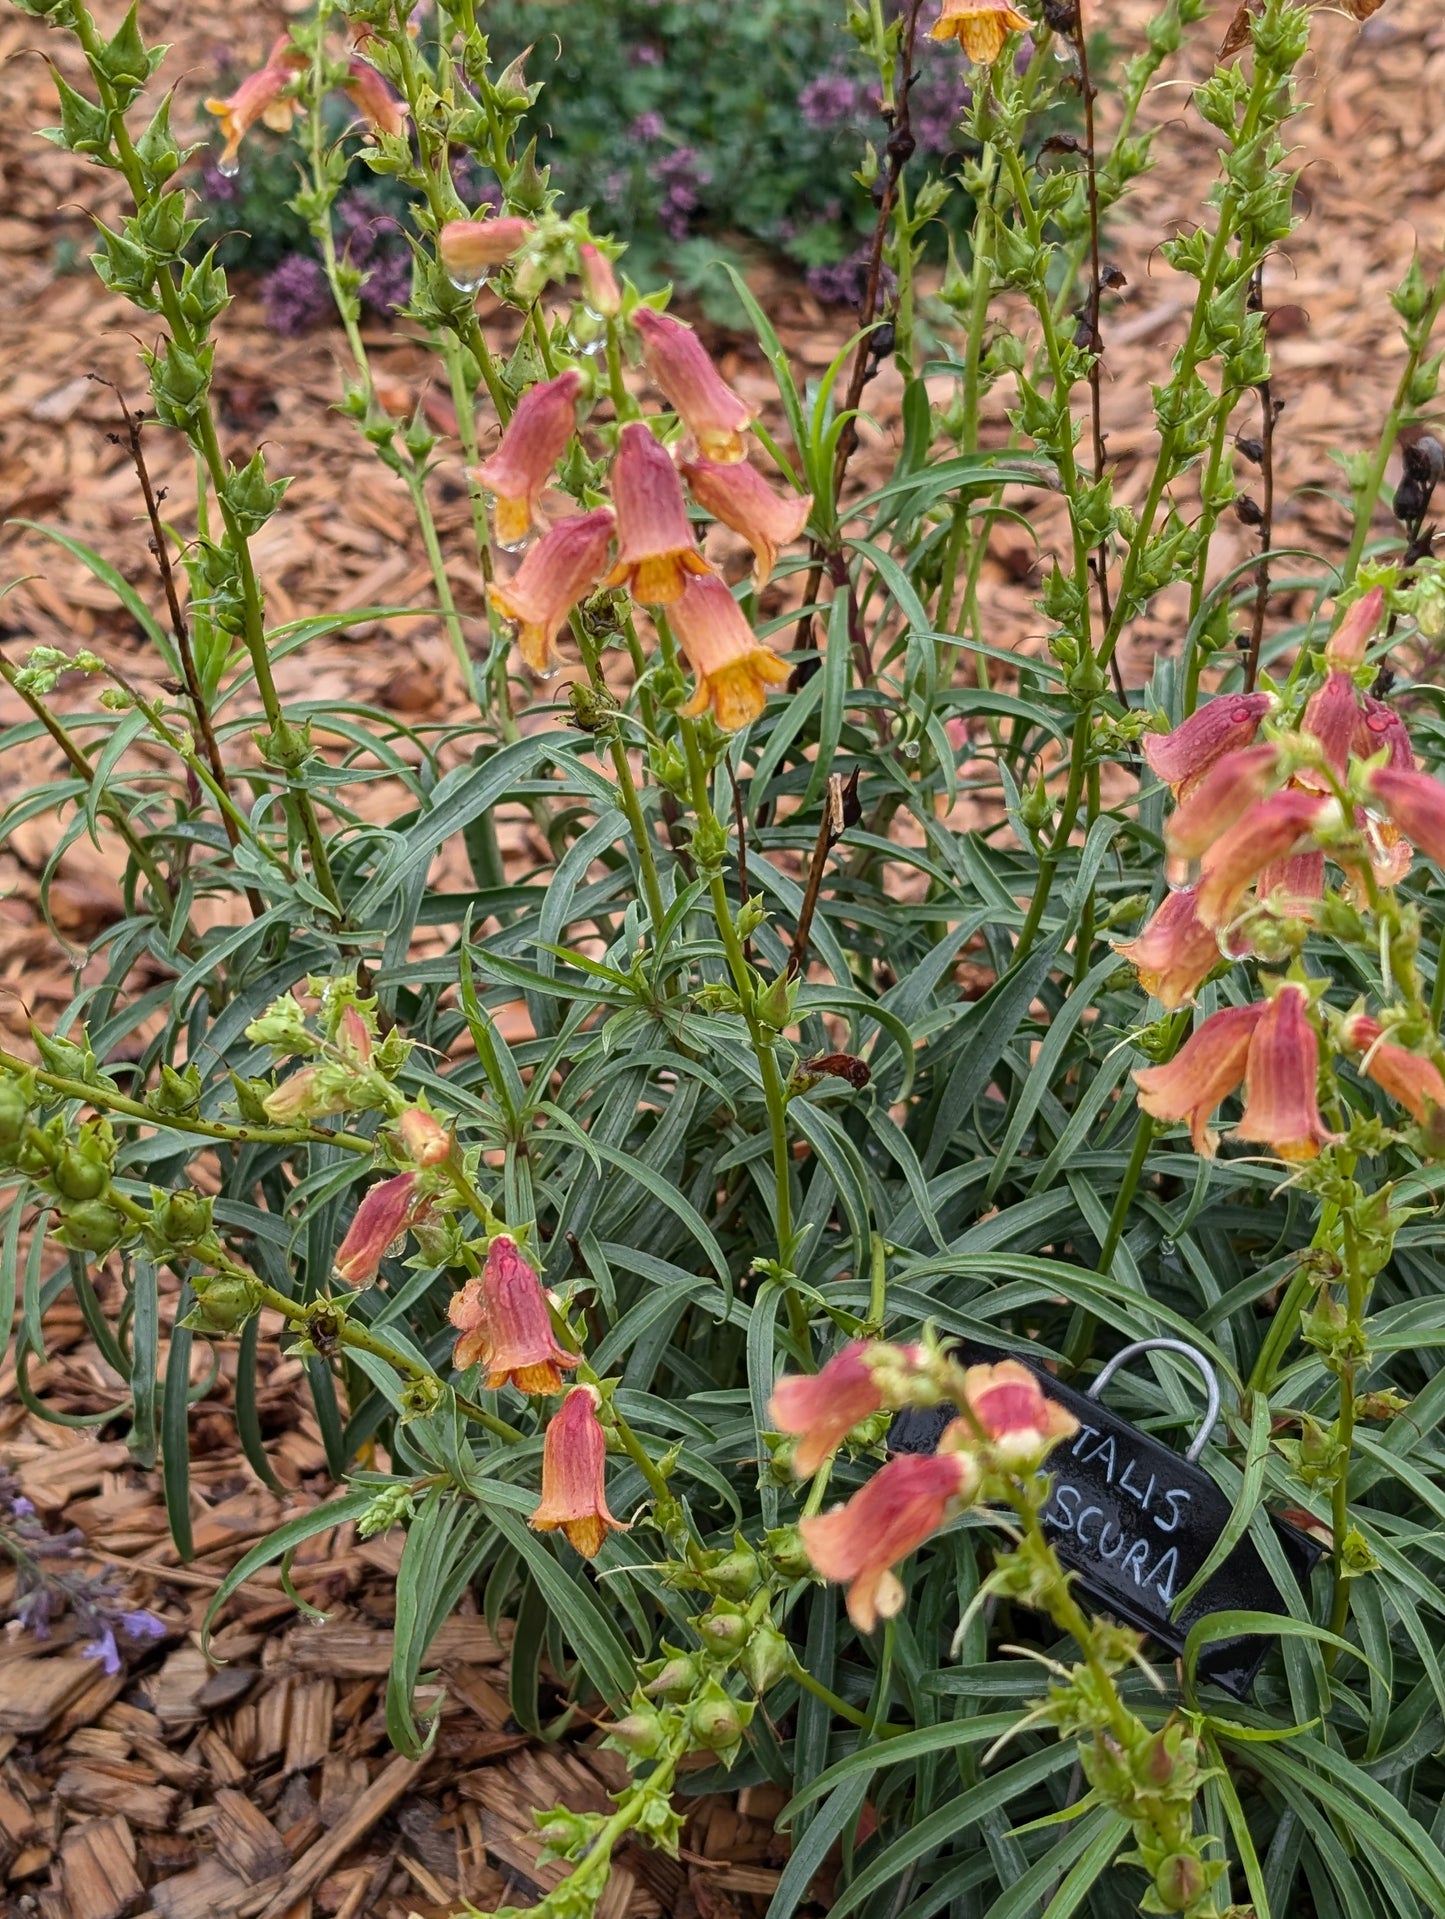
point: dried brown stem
(898, 151)
(132, 424)
(1266, 526)
(840, 810)
(1096, 345)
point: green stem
(1081, 1334)
(626, 785)
(106, 1101)
(805, 1679)
(774, 1095)
(111, 809)
(1368, 494)
(205, 438)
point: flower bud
(1180, 1881)
(765, 1659)
(723, 1630)
(222, 1304)
(676, 1678)
(737, 1574)
(599, 283)
(718, 1721)
(92, 1226)
(426, 1140)
(469, 249)
(14, 1111)
(785, 1548)
(184, 1217)
(641, 1733)
(78, 1176)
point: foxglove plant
(625, 1201)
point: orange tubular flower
(382, 1217)
(979, 26)
(739, 496)
(1206, 1070)
(1293, 884)
(1415, 803)
(426, 1140)
(561, 569)
(823, 1408)
(1415, 1082)
(1183, 757)
(504, 1324)
(1266, 832)
(1346, 645)
(515, 475)
(1175, 953)
(733, 668)
(259, 98)
(374, 99)
(1381, 730)
(679, 364)
(1017, 1416)
(1333, 717)
(899, 1508)
(1229, 788)
(574, 1488)
(656, 546)
(469, 249)
(1281, 1079)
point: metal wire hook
(1191, 1353)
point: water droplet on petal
(511, 546)
(229, 168)
(547, 673)
(468, 282)
(594, 349)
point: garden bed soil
(265, 1786)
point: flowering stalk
(180, 383)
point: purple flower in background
(830, 99)
(681, 179)
(846, 281)
(645, 55)
(220, 189)
(49, 1580)
(387, 285)
(940, 100)
(647, 126)
(364, 228)
(295, 295)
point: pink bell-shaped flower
(681, 368)
(901, 1506)
(379, 1221)
(1175, 953)
(738, 495)
(574, 1488)
(733, 668)
(537, 433)
(561, 569)
(1207, 1069)
(504, 1324)
(1281, 1079)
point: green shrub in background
(692, 127)
(696, 131)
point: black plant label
(1136, 1522)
